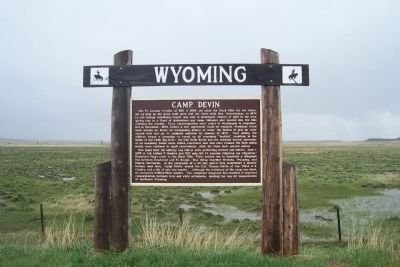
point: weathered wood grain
(120, 183)
(102, 206)
(272, 163)
(290, 210)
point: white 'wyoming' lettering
(161, 74)
(210, 74)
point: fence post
(42, 222)
(181, 216)
(120, 184)
(290, 210)
(271, 241)
(338, 223)
(101, 231)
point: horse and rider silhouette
(98, 77)
(293, 76)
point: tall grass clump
(373, 237)
(154, 234)
(64, 235)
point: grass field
(62, 178)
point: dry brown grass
(56, 234)
(185, 235)
(65, 235)
(373, 236)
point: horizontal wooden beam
(196, 74)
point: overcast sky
(352, 47)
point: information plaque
(195, 142)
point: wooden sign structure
(279, 181)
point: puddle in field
(210, 195)
(384, 206)
(62, 177)
(352, 211)
(357, 209)
(68, 178)
(207, 195)
(231, 213)
(186, 207)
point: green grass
(84, 255)
(246, 198)
(30, 175)
(345, 163)
(313, 195)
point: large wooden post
(290, 210)
(271, 241)
(120, 183)
(102, 206)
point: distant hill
(382, 139)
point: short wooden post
(120, 183)
(181, 216)
(42, 221)
(290, 210)
(338, 224)
(271, 241)
(102, 206)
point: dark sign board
(195, 74)
(195, 142)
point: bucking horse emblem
(293, 76)
(98, 77)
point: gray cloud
(351, 46)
